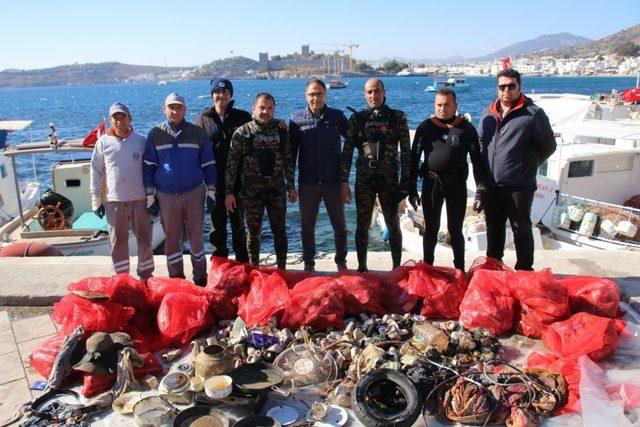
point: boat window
(543, 169)
(72, 183)
(3, 171)
(580, 168)
(614, 164)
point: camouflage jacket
(261, 155)
(378, 133)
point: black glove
(478, 201)
(414, 200)
(211, 200)
(152, 205)
(100, 211)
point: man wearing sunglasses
(516, 138)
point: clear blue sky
(39, 33)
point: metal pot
(211, 360)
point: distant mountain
(617, 43)
(83, 74)
(544, 42)
(427, 61)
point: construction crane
(349, 46)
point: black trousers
(513, 203)
(218, 236)
(434, 194)
(310, 197)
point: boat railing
(598, 220)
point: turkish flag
(506, 63)
(631, 95)
(92, 137)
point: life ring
(51, 217)
(29, 249)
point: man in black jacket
(220, 122)
(516, 138)
(445, 139)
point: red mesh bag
(121, 288)
(290, 277)
(582, 334)
(161, 286)
(104, 316)
(488, 302)
(41, 359)
(228, 280)
(361, 294)
(594, 295)
(486, 263)
(395, 293)
(570, 370)
(182, 315)
(542, 301)
(316, 302)
(442, 290)
(269, 295)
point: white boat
(10, 204)
(594, 170)
(337, 84)
(458, 84)
(81, 234)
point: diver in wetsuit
(445, 140)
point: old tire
(398, 406)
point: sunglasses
(510, 86)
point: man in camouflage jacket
(377, 131)
(260, 153)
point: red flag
(506, 63)
(92, 137)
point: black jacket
(514, 146)
(219, 133)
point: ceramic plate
(285, 415)
(124, 403)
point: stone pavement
(18, 338)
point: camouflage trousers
(365, 197)
(254, 202)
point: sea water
(77, 109)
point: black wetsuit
(445, 144)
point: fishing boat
(65, 220)
(588, 194)
(459, 84)
(10, 187)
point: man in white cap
(117, 161)
(179, 168)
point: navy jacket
(514, 146)
(315, 144)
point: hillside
(608, 45)
(83, 74)
(237, 66)
(544, 42)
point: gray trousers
(310, 197)
(120, 217)
(184, 211)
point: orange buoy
(27, 249)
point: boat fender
(29, 249)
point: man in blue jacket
(516, 138)
(179, 167)
(315, 134)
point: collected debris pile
(365, 342)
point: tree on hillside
(627, 48)
(362, 66)
(393, 67)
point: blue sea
(77, 109)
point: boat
(10, 204)
(583, 188)
(459, 84)
(337, 84)
(79, 231)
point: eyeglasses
(510, 86)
